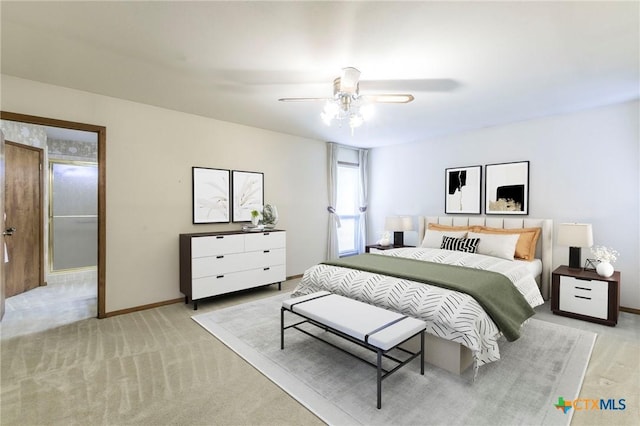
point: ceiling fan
(347, 103)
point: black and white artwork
(507, 188)
(462, 190)
(248, 194)
(210, 189)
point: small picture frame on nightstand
(590, 265)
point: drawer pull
(266, 233)
(219, 237)
(583, 288)
(267, 251)
(219, 257)
(266, 269)
(582, 297)
(220, 276)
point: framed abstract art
(462, 190)
(507, 188)
(248, 194)
(210, 195)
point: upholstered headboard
(544, 250)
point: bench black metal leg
(379, 378)
(422, 353)
(281, 328)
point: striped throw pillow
(467, 245)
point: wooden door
(23, 204)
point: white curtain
(334, 220)
(363, 161)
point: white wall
(150, 152)
(584, 167)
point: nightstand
(585, 295)
(372, 248)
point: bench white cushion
(356, 319)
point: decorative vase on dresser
(604, 269)
(214, 263)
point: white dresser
(214, 263)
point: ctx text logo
(590, 404)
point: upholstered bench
(371, 327)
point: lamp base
(574, 258)
(398, 238)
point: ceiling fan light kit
(347, 104)
(346, 109)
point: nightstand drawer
(585, 297)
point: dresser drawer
(236, 262)
(234, 281)
(265, 241)
(218, 284)
(585, 297)
(263, 258)
(220, 264)
(216, 244)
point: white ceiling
(468, 64)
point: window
(348, 169)
(347, 208)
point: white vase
(604, 269)
(255, 220)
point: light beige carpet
(158, 367)
(154, 367)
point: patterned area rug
(547, 363)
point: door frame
(41, 183)
(2, 226)
(102, 188)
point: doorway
(100, 132)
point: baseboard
(166, 302)
(143, 307)
(630, 310)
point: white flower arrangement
(386, 239)
(604, 254)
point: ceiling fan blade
(399, 98)
(303, 99)
(411, 85)
(349, 80)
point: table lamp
(398, 225)
(576, 236)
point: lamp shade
(398, 223)
(575, 235)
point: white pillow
(433, 238)
(496, 245)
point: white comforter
(449, 314)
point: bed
(461, 332)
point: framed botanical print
(462, 190)
(248, 194)
(210, 190)
(507, 188)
